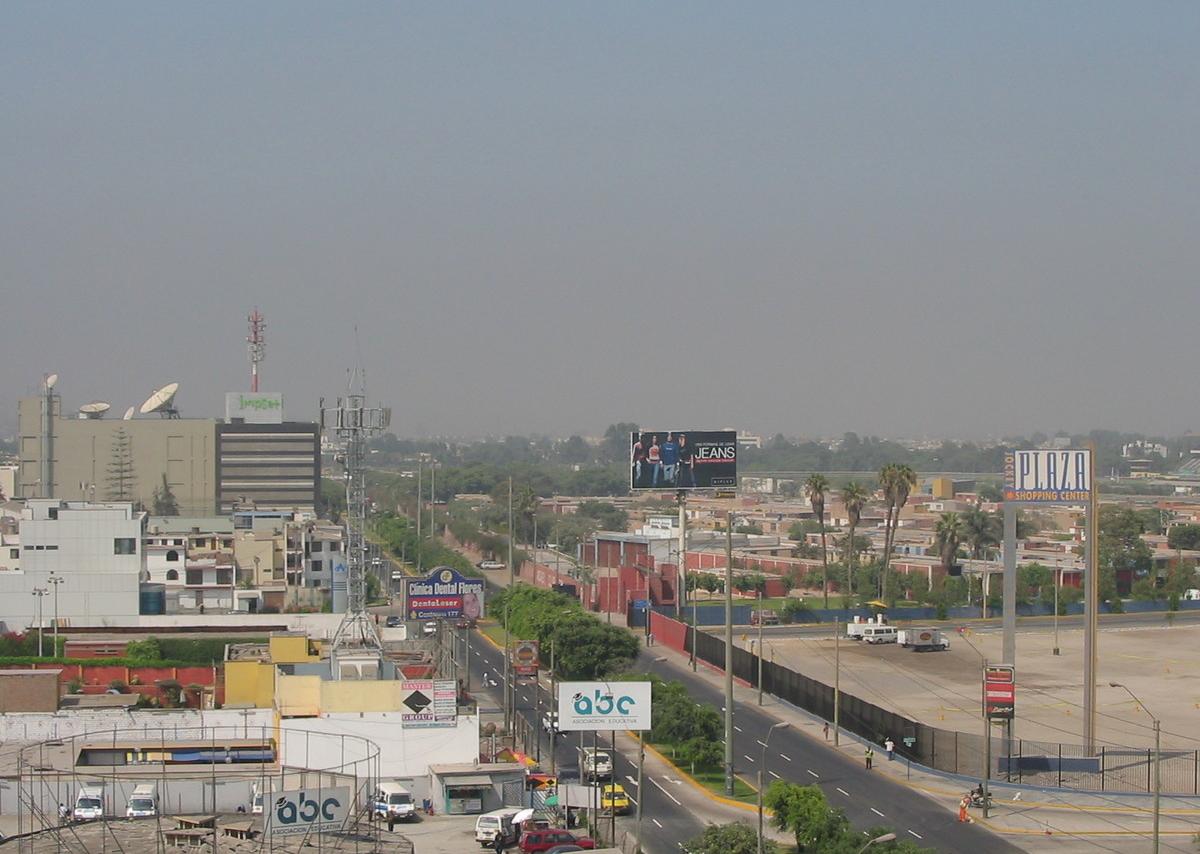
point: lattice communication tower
(352, 421)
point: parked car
(490, 564)
(393, 622)
(563, 849)
(544, 840)
(429, 629)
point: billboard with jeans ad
(683, 459)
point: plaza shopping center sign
(444, 594)
(1048, 477)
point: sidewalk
(1034, 819)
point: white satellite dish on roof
(128, 416)
(95, 409)
(162, 402)
(51, 379)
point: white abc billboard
(592, 706)
(314, 810)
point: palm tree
(815, 488)
(979, 531)
(948, 536)
(897, 481)
(854, 496)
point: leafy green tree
(1121, 549)
(815, 488)
(615, 446)
(898, 481)
(1184, 537)
(144, 650)
(120, 467)
(702, 753)
(804, 812)
(854, 497)
(733, 838)
(981, 531)
(1034, 579)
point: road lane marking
(877, 812)
(762, 743)
(660, 827)
(773, 774)
(812, 773)
(738, 728)
(844, 792)
(785, 757)
(914, 833)
(665, 792)
(749, 758)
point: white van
(496, 823)
(89, 803)
(143, 803)
(879, 634)
(393, 802)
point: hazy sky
(897, 218)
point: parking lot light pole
(1157, 757)
(766, 741)
(55, 580)
(887, 837)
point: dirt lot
(1158, 664)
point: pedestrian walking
(870, 756)
(498, 843)
(890, 747)
(963, 803)
(826, 730)
(650, 639)
(63, 813)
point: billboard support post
(1009, 620)
(1091, 621)
(681, 569)
(987, 745)
(728, 654)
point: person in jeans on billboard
(639, 457)
(687, 462)
(670, 459)
(654, 460)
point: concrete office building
(96, 549)
(210, 466)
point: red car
(544, 840)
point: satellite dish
(161, 401)
(95, 409)
(50, 381)
(128, 416)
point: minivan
(879, 634)
(496, 823)
(393, 802)
(143, 803)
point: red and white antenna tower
(257, 345)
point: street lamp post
(641, 765)
(38, 593)
(887, 837)
(760, 647)
(1157, 757)
(1057, 582)
(766, 740)
(55, 580)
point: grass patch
(712, 779)
(495, 632)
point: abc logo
(306, 810)
(601, 704)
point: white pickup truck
(595, 764)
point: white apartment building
(87, 557)
(323, 551)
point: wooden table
(192, 822)
(190, 838)
(239, 829)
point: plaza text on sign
(1048, 476)
(999, 691)
(594, 706)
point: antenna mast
(353, 422)
(256, 343)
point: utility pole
(1091, 625)
(1057, 582)
(511, 584)
(728, 654)
(420, 513)
(837, 678)
(432, 497)
(760, 646)
(55, 580)
(39, 592)
(681, 570)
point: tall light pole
(1057, 582)
(760, 648)
(766, 741)
(55, 580)
(728, 653)
(1157, 757)
(641, 764)
(38, 593)
(887, 837)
